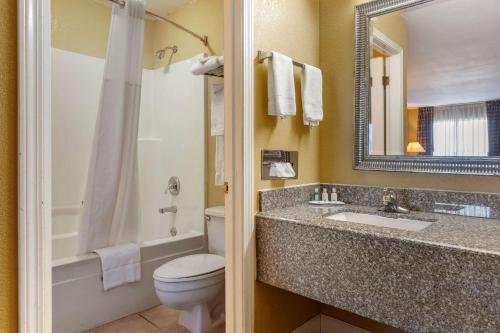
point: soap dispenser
(334, 195)
(324, 195)
(316, 194)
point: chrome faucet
(390, 203)
(171, 209)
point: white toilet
(195, 284)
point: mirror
(428, 85)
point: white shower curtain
(110, 214)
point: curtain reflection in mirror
(425, 129)
(460, 130)
(493, 112)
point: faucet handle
(389, 196)
(385, 196)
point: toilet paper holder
(268, 157)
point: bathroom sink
(381, 221)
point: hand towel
(217, 110)
(219, 160)
(206, 64)
(312, 95)
(120, 264)
(281, 170)
(280, 86)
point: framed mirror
(427, 86)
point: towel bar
(263, 55)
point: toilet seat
(190, 268)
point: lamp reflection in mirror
(415, 147)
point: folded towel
(281, 170)
(312, 95)
(217, 110)
(280, 86)
(120, 264)
(205, 65)
(219, 160)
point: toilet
(194, 284)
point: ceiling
(164, 7)
(453, 52)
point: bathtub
(78, 300)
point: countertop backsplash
(474, 204)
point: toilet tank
(216, 230)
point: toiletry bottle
(334, 195)
(316, 194)
(324, 195)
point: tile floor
(159, 319)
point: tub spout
(171, 209)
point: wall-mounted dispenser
(279, 164)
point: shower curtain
(110, 213)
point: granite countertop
(467, 233)
(444, 278)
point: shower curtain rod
(203, 39)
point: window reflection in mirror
(435, 80)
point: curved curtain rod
(203, 39)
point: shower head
(160, 54)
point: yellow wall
(411, 125)
(279, 311)
(337, 63)
(8, 166)
(393, 26)
(204, 17)
(289, 27)
(82, 26)
(292, 28)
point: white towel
(217, 130)
(280, 86)
(120, 264)
(206, 64)
(312, 95)
(281, 170)
(219, 160)
(217, 110)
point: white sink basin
(381, 221)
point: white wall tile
(171, 143)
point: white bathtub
(79, 302)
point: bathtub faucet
(171, 209)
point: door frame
(239, 141)
(34, 166)
(394, 57)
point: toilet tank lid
(217, 211)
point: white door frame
(34, 166)
(395, 111)
(240, 252)
(34, 163)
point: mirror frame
(486, 166)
